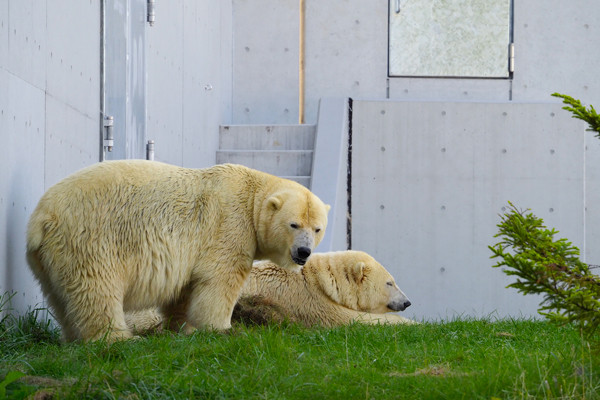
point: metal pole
(102, 77)
(301, 64)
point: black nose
(304, 252)
(397, 306)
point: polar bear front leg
(211, 305)
(374, 319)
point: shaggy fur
(131, 235)
(332, 289)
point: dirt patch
(432, 370)
(42, 381)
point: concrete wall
(236, 61)
(429, 180)
(189, 80)
(347, 54)
(49, 116)
(50, 84)
(556, 50)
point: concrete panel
(189, 72)
(346, 51)
(201, 83)
(330, 170)
(71, 140)
(427, 89)
(165, 83)
(202, 87)
(4, 23)
(269, 137)
(27, 41)
(22, 120)
(265, 62)
(592, 199)
(556, 49)
(280, 163)
(73, 54)
(226, 62)
(428, 182)
(5, 164)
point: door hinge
(109, 139)
(511, 58)
(151, 11)
(150, 150)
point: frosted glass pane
(462, 38)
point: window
(450, 38)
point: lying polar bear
(332, 289)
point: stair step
(303, 180)
(280, 163)
(267, 137)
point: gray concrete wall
(214, 63)
(265, 62)
(49, 116)
(347, 53)
(556, 50)
(429, 180)
(50, 100)
(189, 80)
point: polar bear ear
(274, 203)
(358, 271)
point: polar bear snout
(399, 305)
(304, 252)
(300, 255)
(302, 247)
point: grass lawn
(470, 359)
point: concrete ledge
(266, 137)
(285, 162)
(329, 169)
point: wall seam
(349, 179)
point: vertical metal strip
(349, 179)
(301, 63)
(102, 80)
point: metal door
(450, 38)
(124, 79)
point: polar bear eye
(318, 230)
(294, 225)
(390, 283)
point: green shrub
(580, 112)
(543, 265)
(550, 267)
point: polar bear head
(291, 224)
(357, 281)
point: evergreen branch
(527, 249)
(579, 111)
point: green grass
(460, 359)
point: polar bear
(131, 235)
(332, 289)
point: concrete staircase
(282, 150)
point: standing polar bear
(129, 235)
(332, 289)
